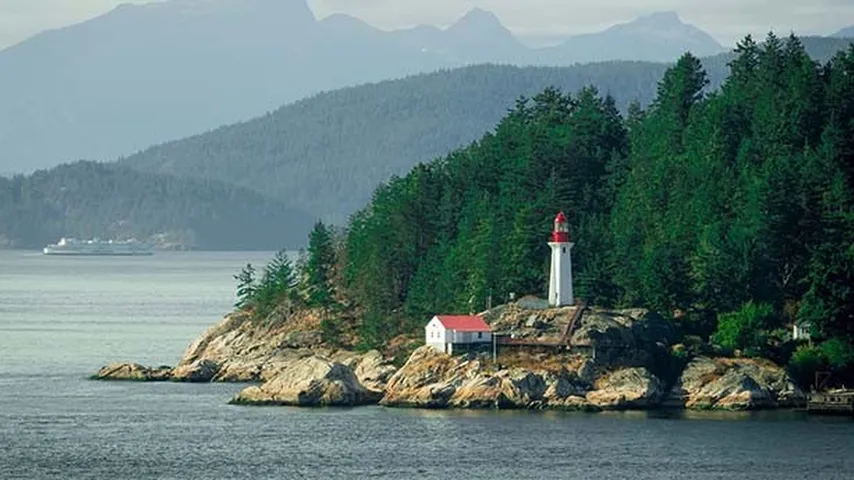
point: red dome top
(561, 231)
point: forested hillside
(88, 199)
(732, 210)
(327, 153)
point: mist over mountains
(143, 74)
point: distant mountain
(478, 37)
(143, 74)
(326, 154)
(659, 37)
(847, 32)
(88, 199)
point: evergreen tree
(245, 286)
(319, 267)
(280, 273)
(277, 285)
(737, 200)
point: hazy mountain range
(141, 75)
(144, 74)
(260, 183)
(326, 154)
(847, 32)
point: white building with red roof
(447, 333)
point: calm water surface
(62, 318)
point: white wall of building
(560, 281)
(471, 337)
(442, 339)
(435, 335)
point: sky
(726, 20)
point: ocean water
(62, 318)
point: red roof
(463, 323)
(561, 218)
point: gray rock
(623, 338)
(734, 384)
(629, 388)
(373, 371)
(563, 385)
(310, 382)
(200, 371)
(133, 372)
(587, 371)
(536, 322)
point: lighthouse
(560, 279)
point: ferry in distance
(110, 248)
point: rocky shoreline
(613, 369)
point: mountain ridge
(90, 199)
(847, 32)
(325, 154)
(656, 37)
(140, 75)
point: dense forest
(88, 199)
(731, 211)
(326, 154)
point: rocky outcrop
(244, 349)
(623, 338)
(428, 380)
(628, 388)
(434, 380)
(133, 372)
(615, 338)
(200, 371)
(734, 384)
(608, 367)
(310, 382)
(373, 370)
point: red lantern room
(561, 231)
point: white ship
(72, 247)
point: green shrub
(746, 329)
(838, 353)
(805, 362)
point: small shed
(447, 333)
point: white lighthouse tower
(560, 280)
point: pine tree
(319, 267)
(246, 287)
(280, 273)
